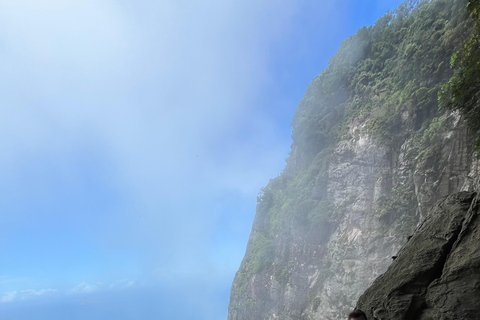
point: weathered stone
(376, 182)
(325, 278)
(437, 272)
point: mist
(135, 139)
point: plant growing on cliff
(262, 254)
(282, 275)
(462, 91)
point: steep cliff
(437, 272)
(371, 153)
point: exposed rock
(371, 153)
(437, 272)
(311, 277)
(455, 166)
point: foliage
(320, 214)
(462, 91)
(389, 73)
(428, 144)
(282, 275)
(387, 76)
(262, 254)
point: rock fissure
(437, 270)
(469, 220)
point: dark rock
(437, 272)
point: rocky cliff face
(437, 272)
(366, 238)
(371, 154)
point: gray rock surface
(363, 172)
(437, 272)
(324, 271)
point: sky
(135, 137)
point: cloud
(12, 296)
(174, 98)
(37, 293)
(122, 112)
(85, 287)
(8, 296)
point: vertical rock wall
(323, 279)
(371, 154)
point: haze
(135, 139)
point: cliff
(436, 274)
(371, 154)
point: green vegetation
(428, 144)
(321, 213)
(385, 71)
(282, 275)
(462, 91)
(388, 76)
(262, 254)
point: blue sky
(135, 137)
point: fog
(135, 138)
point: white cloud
(8, 297)
(36, 293)
(85, 287)
(81, 288)
(163, 94)
(16, 295)
(156, 95)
